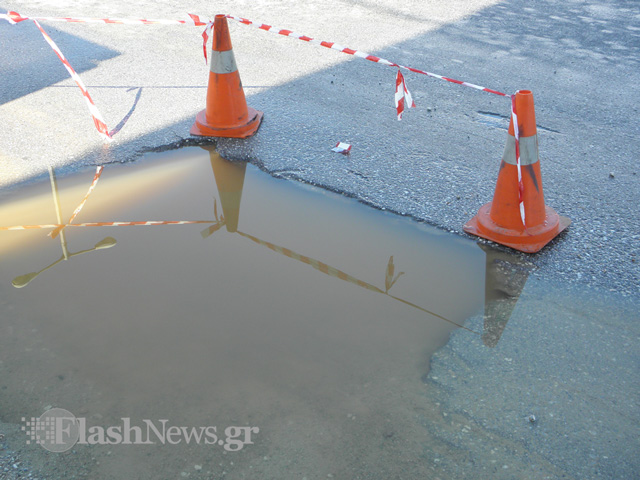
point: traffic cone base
(202, 128)
(528, 240)
(517, 216)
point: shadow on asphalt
(24, 41)
(505, 47)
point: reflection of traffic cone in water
(505, 278)
(227, 113)
(501, 220)
(230, 180)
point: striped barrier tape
(194, 20)
(402, 95)
(98, 121)
(516, 131)
(358, 53)
(208, 29)
(108, 224)
(100, 124)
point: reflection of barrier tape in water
(334, 272)
(323, 267)
(96, 177)
(59, 227)
(109, 224)
(78, 209)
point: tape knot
(13, 17)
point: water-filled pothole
(225, 297)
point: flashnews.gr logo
(57, 430)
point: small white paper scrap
(341, 147)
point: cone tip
(221, 37)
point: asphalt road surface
(438, 165)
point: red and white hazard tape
(98, 121)
(195, 20)
(15, 17)
(208, 29)
(109, 224)
(358, 53)
(100, 124)
(403, 97)
(516, 131)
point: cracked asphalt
(438, 165)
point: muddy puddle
(298, 323)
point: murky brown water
(290, 309)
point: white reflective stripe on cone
(223, 62)
(528, 150)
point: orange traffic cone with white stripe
(518, 217)
(227, 113)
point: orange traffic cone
(227, 113)
(501, 221)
